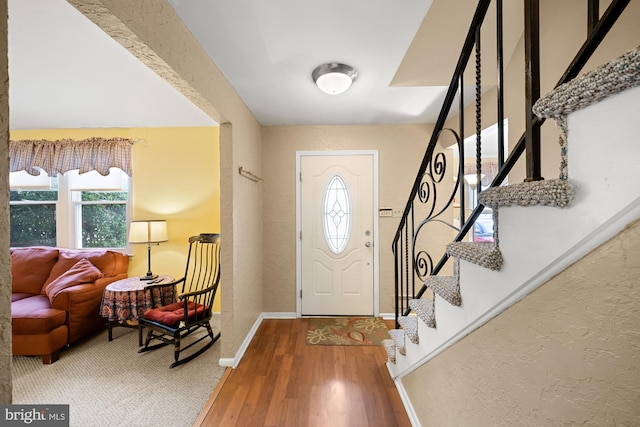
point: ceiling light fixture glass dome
(334, 78)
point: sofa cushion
(82, 272)
(34, 315)
(15, 296)
(106, 261)
(30, 268)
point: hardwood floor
(282, 381)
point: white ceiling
(67, 73)
(64, 72)
(268, 50)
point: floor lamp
(149, 232)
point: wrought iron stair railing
(432, 199)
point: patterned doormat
(347, 331)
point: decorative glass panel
(336, 211)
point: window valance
(63, 155)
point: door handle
(367, 244)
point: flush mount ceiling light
(334, 78)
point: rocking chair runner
(171, 323)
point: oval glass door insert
(336, 211)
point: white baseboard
(279, 315)
(226, 362)
(406, 402)
(233, 363)
(388, 316)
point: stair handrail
(597, 30)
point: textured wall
(565, 355)
(400, 150)
(5, 260)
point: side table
(124, 301)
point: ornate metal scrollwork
(438, 167)
(427, 194)
(423, 265)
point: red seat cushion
(172, 314)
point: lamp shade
(148, 231)
(472, 179)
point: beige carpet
(111, 384)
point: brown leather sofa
(56, 295)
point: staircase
(594, 204)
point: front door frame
(374, 213)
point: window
(337, 214)
(71, 210)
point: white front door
(337, 234)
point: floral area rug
(347, 331)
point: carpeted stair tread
(397, 335)
(486, 255)
(608, 79)
(554, 192)
(410, 327)
(390, 348)
(425, 310)
(447, 287)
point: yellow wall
(176, 176)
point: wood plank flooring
(281, 381)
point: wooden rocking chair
(192, 310)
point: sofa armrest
(68, 298)
(80, 294)
(82, 304)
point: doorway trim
(374, 212)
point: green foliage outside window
(104, 225)
(33, 196)
(33, 224)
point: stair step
(554, 192)
(425, 310)
(410, 327)
(448, 287)
(397, 335)
(486, 255)
(390, 348)
(608, 79)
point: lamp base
(149, 277)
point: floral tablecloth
(125, 301)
